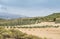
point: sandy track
(50, 33)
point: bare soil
(50, 33)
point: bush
(12, 33)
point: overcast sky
(30, 7)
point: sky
(30, 8)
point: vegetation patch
(15, 34)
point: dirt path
(50, 33)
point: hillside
(54, 15)
(31, 20)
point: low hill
(31, 20)
(54, 15)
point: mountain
(10, 16)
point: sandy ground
(44, 24)
(50, 33)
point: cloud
(32, 3)
(30, 7)
(0, 6)
(29, 11)
(21, 3)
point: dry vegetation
(24, 28)
(15, 34)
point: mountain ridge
(10, 16)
